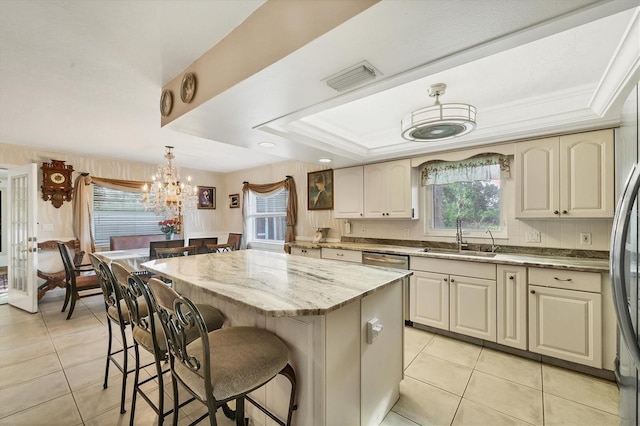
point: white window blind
(118, 213)
(267, 215)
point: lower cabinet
(512, 306)
(566, 324)
(306, 252)
(429, 299)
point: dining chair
(153, 245)
(221, 248)
(166, 252)
(220, 365)
(117, 313)
(148, 333)
(75, 282)
(235, 239)
(201, 243)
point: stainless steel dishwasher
(397, 261)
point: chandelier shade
(439, 121)
(167, 195)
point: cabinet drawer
(344, 255)
(455, 267)
(298, 251)
(570, 280)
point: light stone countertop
(277, 284)
(569, 263)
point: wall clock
(56, 182)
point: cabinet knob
(511, 277)
(533, 292)
(445, 280)
(565, 212)
(556, 212)
(452, 280)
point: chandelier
(439, 121)
(167, 195)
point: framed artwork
(320, 190)
(234, 201)
(206, 197)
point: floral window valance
(480, 167)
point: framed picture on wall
(234, 201)
(206, 197)
(320, 190)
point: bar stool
(221, 365)
(148, 333)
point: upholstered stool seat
(234, 371)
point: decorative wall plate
(166, 102)
(188, 87)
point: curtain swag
(480, 167)
(83, 205)
(292, 204)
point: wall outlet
(407, 232)
(585, 238)
(363, 229)
(532, 237)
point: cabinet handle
(533, 292)
(556, 212)
(339, 254)
(561, 279)
(511, 277)
(445, 280)
(452, 280)
(565, 212)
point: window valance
(479, 167)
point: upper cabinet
(566, 176)
(390, 190)
(382, 190)
(348, 193)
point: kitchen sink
(461, 253)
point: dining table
(131, 259)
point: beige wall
(558, 233)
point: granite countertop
(276, 284)
(556, 262)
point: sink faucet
(494, 247)
(459, 239)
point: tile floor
(51, 373)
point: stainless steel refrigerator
(624, 260)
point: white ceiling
(86, 77)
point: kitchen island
(322, 310)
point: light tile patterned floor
(51, 373)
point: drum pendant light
(440, 121)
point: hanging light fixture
(440, 121)
(167, 195)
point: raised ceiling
(86, 77)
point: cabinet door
(587, 175)
(374, 190)
(429, 299)
(566, 324)
(473, 307)
(512, 306)
(537, 174)
(348, 193)
(398, 189)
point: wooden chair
(201, 243)
(57, 278)
(220, 365)
(221, 248)
(235, 239)
(165, 252)
(75, 282)
(153, 245)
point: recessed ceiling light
(325, 160)
(266, 144)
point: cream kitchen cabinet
(348, 193)
(390, 190)
(566, 176)
(565, 315)
(354, 256)
(463, 304)
(512, 306)
(306, 252)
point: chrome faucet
(494, 247)
(459, 239)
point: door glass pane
(19, 243)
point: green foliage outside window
(477, 203)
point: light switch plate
(585, 238)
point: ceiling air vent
(352, 77)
